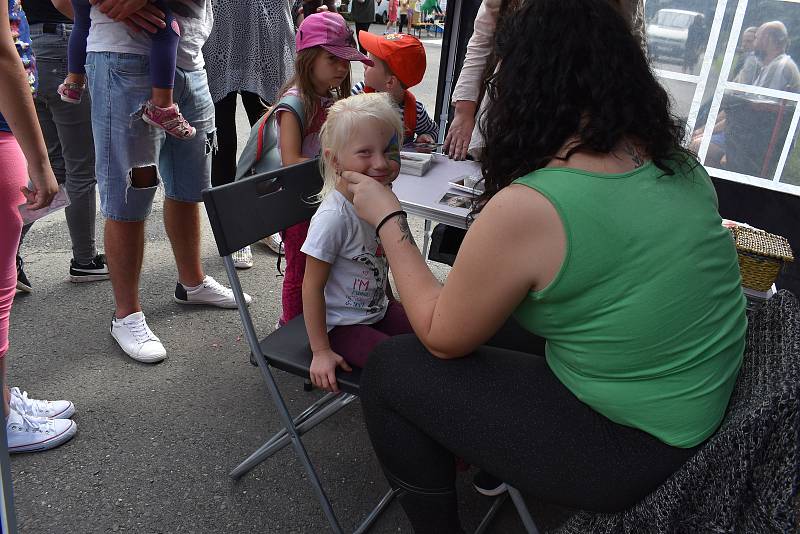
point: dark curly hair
(570, 68)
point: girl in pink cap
(325, 48)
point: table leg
(426, 238)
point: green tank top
(645, 320)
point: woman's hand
(372, 200)
(44, 189)
(323, 369)
(459, 135)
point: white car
(668, 32)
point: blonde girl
(347, 303)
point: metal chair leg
(522, 510)
(307, 421)
(489, 517)
(376, 512)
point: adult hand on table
(44, 187)
(459, 135)
(372, 200)
(136, 14)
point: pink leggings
(354, 342)
(292, 292)
(13, 175)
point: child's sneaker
(168, 119)
(22, 404)
(243, 259)
(71, 92)
(30, 434)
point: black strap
(385, 219)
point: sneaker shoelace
(25, 405)
(140, 332)
(34, 424)
(216, 287)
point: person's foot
(243, 259)
(168, 119)
(23, 284)
(274, 242)
(488, 485)
(209, 292)
(71, 92)
(92, 271)
(22, 404)
(31, 434)
(136, 339)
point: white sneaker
(274, 242)
(209, 292)
(243, 259)
(136, 339)
(29, 434)
(60, 409)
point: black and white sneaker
(488, 485)
(209, 292)
(23, 284)
(89, 272)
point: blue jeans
(120, 84)
(67, 130)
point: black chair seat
(288, 349)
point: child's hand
(424, 138)
(323, 369)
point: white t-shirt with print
(356, 288)
(195, 18)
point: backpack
(261, 153)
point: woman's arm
(478, 50)
(65, 7)
(291, 138)
(516, 244)
(16, 106)
(325, 360)
(465, 94)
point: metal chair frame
(266, 203)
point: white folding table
(420, 195)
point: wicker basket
(761, 256)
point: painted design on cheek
(393, 149)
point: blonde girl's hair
(343, 117)
(305, 85)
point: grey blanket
(745, 478)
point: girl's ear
(328, 155)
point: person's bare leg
(182, 221)
(124, 244)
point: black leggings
(223, 164)
(362, 27)
(507, 413)
(402, 22)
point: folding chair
(241, 213)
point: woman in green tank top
(597, 233)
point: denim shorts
(119, 85)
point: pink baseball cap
(331, 32)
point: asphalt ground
(155, 443)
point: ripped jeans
(119, 85)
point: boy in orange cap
(399, 65)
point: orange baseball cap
(403, 53)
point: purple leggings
(355, 342)
(163, 50)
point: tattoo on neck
(404, 230)
(633, 153)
